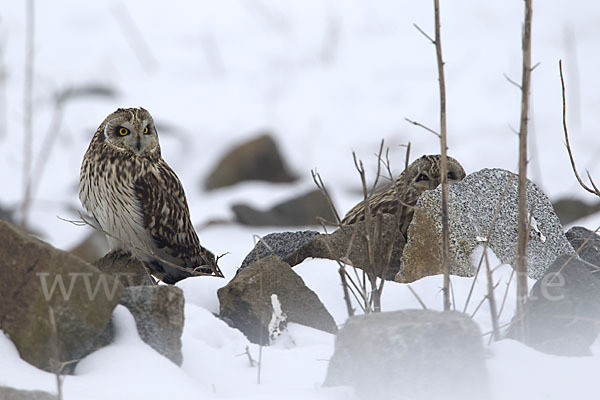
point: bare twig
(28, 111)
(417, 297)
(492, 299)
(55, 362)
(594, 188)
(521, 256)
(134, 37)
(424, 33)
(420, 125)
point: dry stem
(521, 256)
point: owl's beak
(138, 143)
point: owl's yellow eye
(146, 131)
(123, 131)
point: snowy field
(328, 78)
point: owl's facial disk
(132, 130)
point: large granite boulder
(562, 310)
(258, 159)
(299, 211)
(37, 280)
(410, 354)
(472, 204)
(158, 314)
(247, 304)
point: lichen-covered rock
(158, 314)
(280, 244)
(127, 269)
(562, 310)
(255, 160)
(411, 354)
(472, 204)
(7, 393)
(385, 236)
(299, 211)
(36, 278)
(246, 300)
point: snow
(327, 78)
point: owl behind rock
(137, 199)
(421, 175)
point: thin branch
(424, 34)
(521, 256)
(444, 159)
(420, 125)
(593, 190)
(417, 297)
(513, 82)
(28, 111)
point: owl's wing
(167, 220)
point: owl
(421, 175)
(138, 201)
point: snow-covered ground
(327, 77)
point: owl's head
(130, 130)
(424, 172)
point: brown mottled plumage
(137, 199)
(421, 175)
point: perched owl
(421, 175)
(137, 199)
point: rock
(7, 214)
(36, 278)
(410, 354)
(7, 393)
(257, 159)
(158, 314)
(300, 211)
(569, 210)
(587, 245)
(246, 300)
(335, 246)
(127, 269)
(472, 205)
(280, 244)
(92, 247)
(562, 310)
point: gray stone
(158, 313)
(82, 306)
(125, 268)
(279, 244)
(385, 235)
(300, 211)
(410, 354)
(255, 160)
(7, 393)
(562, 310)
(587, 245)
(246, 300)
(472, 205)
